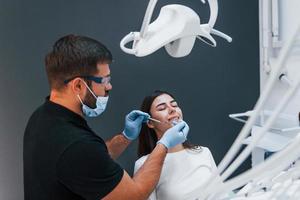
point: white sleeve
(137, 166)
(212, 161)
(153, 195)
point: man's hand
(133, 123)
(175, 135)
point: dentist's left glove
(133, 123)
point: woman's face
(165, 109)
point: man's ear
(150, 124)
(77, 86)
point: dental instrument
(272, 166)
(236, 116)
(173, 123)
(155, 120)
(176, 28)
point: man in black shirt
(63, 158)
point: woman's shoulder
(139, 163)
(199, 149)
(205, 149)
(141, 160)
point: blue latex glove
(133, 123)
(175, 135)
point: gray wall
(209, 84)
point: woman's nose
(171, 110)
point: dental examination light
(176, 28)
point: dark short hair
(147, 136)
(73, 56)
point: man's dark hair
(74, 56)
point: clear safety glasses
(100, 80)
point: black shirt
(64, 159)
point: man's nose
(108, 86)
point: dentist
(64, 159)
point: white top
(183, 172)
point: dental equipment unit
(278, 178)
(276, 163)
(176, 29)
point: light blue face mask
(101, 103)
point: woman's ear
(150, 124)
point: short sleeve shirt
(64, 159)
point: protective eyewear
(99, 80)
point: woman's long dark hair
(147, 137)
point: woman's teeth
(174, 119)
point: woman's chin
(165, 128)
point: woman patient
(186, 166)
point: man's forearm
(117, 145)
(148, 175)
(144, 181)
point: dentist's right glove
(133, 124)
(175, 135)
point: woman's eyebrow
(160, 105)
(172, 101)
